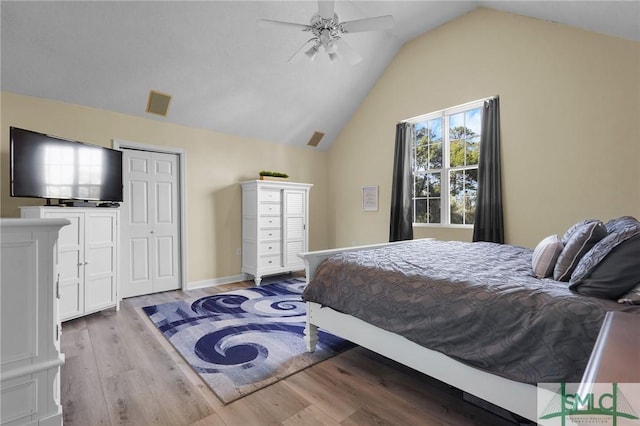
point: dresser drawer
(270, 248)
(268, 194)
(269, 208)
(269, 234)
(268, 222)
(270, 261)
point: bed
(472, 315)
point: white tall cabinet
(275, 217)
(87, 257)
(30, 357)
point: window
(68, 167)
(445, 165)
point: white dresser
(30, 357)
(87, 257)
(274, 227)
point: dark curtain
(488, 224)
(401, 227)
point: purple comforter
(476, 302)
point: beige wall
(570, 108)
(570, 104)
(216, 163)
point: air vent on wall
(158, 103)
(315, 138)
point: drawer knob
(271, 261)
(270, 248)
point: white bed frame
(516, 397)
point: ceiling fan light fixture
(312, 52)
(325, 36)
(331, 47)
(333, 57)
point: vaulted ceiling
(224, 72)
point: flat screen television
(44, 166)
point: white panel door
(165, 223)
(71, 263)
(294, 239)
(150, 223)
(100, 274)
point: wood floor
(119, 370)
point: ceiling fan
(327, 31)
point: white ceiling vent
(158, 103)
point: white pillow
(545, 256)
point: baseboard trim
(217, 281)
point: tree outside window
(445, 165)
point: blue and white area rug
(243, 340)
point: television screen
(44, 166)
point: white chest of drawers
(274, 227)
(30, 357)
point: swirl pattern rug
(244, 340)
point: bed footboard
(312, 259)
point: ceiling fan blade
(346, 51)
(326, 8)
(368, 24)
(266, 23)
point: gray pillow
(601, 249)
(573, 228)
(577, 245)
(616, 273)
(617, 224)
(545, 255)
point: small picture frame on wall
(370, 198)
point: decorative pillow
(577, 245)
(567, 235)
(545, 255)
(614, 274)
(617, 224)
(632, 296)
(601, 249)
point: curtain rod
(418, 117)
